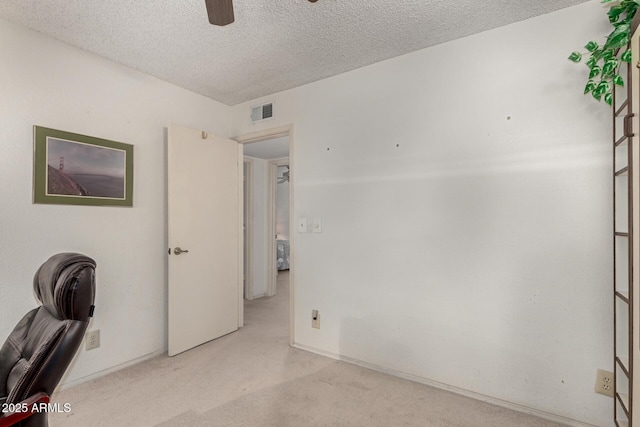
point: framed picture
(73, 169)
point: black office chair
(38, 351)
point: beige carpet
(253, 378)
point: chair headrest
(65, 285)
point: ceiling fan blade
(220, 12)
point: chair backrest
(38, 351)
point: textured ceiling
(273, 45)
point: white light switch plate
(302, 225)
(317, 225)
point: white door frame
(634, 227)
(276, 132)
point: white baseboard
(477, 396)
(111, 370)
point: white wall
(465, 194)
(46, 83)
(260, 229)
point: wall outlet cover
(604, 383)
(92, 339)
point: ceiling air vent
(261, 112)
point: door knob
(179, 251)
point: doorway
(278, 197)
(269, 206)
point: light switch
(302, 225)
(317, 225)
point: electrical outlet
(92, 339)
(604, 383)
(315, 319)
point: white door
(634, 227)
(205, 237)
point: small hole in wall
(508, 117)
(328, 148)
(397, 145)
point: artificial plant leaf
(609, 67)
(592, 46)
(607, 54)
(626, 56)
(618, 37)
(631, 8)
(597, 95)
(602, 87)
(591, 85)
(615, 12)
(595, 71)
(575, 57)
(591, 62)
(618, 80)
(608, 98)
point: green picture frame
(74, 169)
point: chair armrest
(24, 409)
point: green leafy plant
(604, 60)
